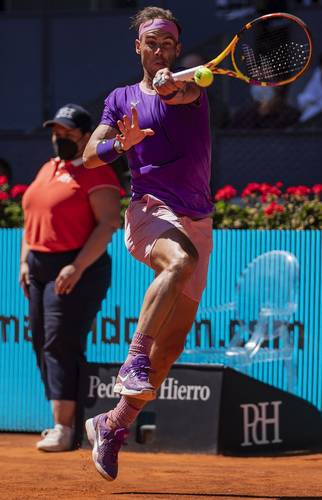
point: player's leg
(170, 342)
(174, 258)
(166, 349)
(107, 437)
(171, 335)
(107, 432)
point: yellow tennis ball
(203, 77)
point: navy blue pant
(60, 323)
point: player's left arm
(174, 92)
(90, 156)
(104, 138)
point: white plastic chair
(267, 293)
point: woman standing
(70, 216)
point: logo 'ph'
(256, 422)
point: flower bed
(11, 214)
(258, 206)
(266, 206)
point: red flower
(3, 180)
(225, 193)
(269, 191)
(275, 191)
(3, 196)
(265, 188)
(279, 184)
(273, 208)
(18, 190)
(317, 189)
(251, 188)
(298, 190)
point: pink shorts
(148, 218)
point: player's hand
(131, 133)
(24, 278)
(67, 279)
(164, 83)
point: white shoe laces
(55, 432)
(45, 432)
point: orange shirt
(57, 210)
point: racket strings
(273, 51)
(276, 65)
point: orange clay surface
(26, 473)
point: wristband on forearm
(169, 96)
(106, 151)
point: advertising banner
(184, 416)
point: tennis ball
(203, 77)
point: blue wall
(22, 401)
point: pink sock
(123, 414)
(141, 344)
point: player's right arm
(90, 156)
(174, 92)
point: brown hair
(150, 13)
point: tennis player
(164, 129)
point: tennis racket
(272, 50)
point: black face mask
(66, 149)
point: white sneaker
(60, 438)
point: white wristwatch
(118, 147)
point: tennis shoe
(106, 445)
(133, 378)
(60, 438)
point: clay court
(27, 474)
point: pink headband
(160, 24)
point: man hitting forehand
(163, 127)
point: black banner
(259, 418)
(204, 408)
(184, 417)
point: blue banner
(22, 402)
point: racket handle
(186, 75)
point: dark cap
(72, 116)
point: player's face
(158, 49)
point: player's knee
(183, 265)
